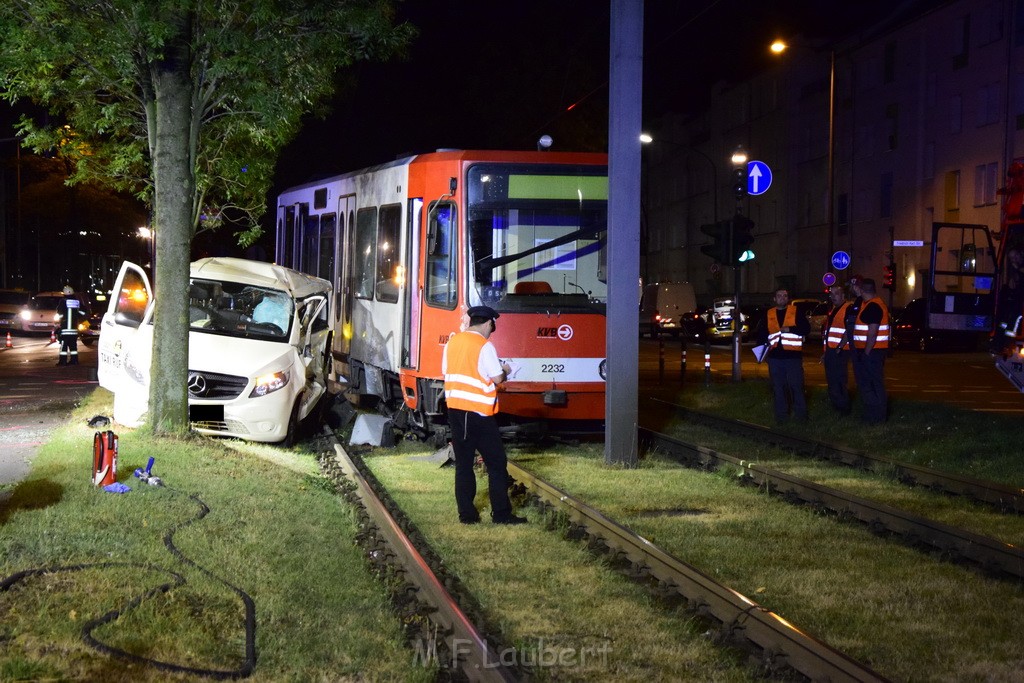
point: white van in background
(670, 308)
(259, 348)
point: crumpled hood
(236, 356)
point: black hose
(178, 580)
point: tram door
(963, 269)
(344, 290)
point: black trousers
(869, 370)
(472, 432)
(837, 371)
(787, 377)
(68, 354)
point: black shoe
(472, 520)
(511, 519)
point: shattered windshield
(537, 236)
(239, 310)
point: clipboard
(761, 351)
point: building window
(885, 196)
(961, 41)
(985, 184)
(889, 63)
(988, 104)
(892, 115)
(956, 114)
(991, 20)
(952, 194)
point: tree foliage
(186, 103)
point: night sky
(497, 76)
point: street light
(778, 47)
(739, 164)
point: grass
(905, 614)
(275, 530)
(549, 595)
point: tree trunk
(175, 189)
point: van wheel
(291, 437)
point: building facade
(926, 116)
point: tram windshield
(537, 236)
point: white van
(670, 307)
(259, 347)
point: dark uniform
(68, 330)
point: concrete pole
(623, 248)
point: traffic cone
(8, 344)
(53, 336)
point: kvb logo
(563, 332)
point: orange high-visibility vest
(791, 341)
(464, 388)
(860, 330)
(837, 328)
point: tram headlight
(602, 369)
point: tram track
(992, 556)
(777, 644)
(1001, 497)
(455, 638)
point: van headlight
(602, 369)
(268, 384)
(25, 315)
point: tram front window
(537, 236)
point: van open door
(126, 345)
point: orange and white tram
(412, 244)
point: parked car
(910, 330)
(12, 301)
(670, 308)
(814, 310)
(259, 348)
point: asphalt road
(966, 380)
(35, 397)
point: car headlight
(268, 384)
(25, 315)
(602, 369)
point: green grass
(275, 529)
(905, 614)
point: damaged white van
(259, 348)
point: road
(965, 380)
(35, 397)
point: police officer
(472, 373)
(68, 331)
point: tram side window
(310, 242)
(328, 225)
(441, 263)
(388, 267)
(365, 256)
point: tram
(1008, 328)
(412, 244)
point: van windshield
(239, 310)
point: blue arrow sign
(759, 177)
(840, 260)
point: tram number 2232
(552, 368)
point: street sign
(840, 260)
(759, 177)
(829, 279)
(908, 243)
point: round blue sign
(840, 260)
(829, 279)
(759, 177)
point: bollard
(682, 361)
(707, 363)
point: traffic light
(719, 249)
(889, 277)
(742, 239)
(739, 181)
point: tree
(186, 103)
